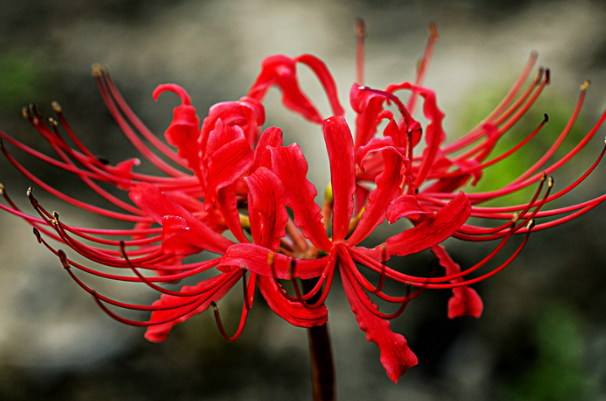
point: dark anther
(63, 259)
(38, 236)
(546, 117)
(360, 28)
(102, 159)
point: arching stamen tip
(543, 176)
(56, 107)
(98, 70)
(515, 217)
(433, 31)
(360, 28)
(270, 258)
(244, 268)
(122, 248)
(214, 305)
(585, 85)
(530, 224)
(546, 117)
(25, 112)
(534, 54)
(37, 234)
(53, 122)
(547, 76)
(63, 258)
(550, 182)
(29, 192)
(56, 215)
(1, 189)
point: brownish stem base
(322, 367)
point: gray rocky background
(543, 333)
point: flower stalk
(320, 350)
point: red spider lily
(230, 176)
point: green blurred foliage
(558, 371)
(19, 79)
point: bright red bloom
(231, 177)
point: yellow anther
(585, 85)
(1, 189)
(515, 217)
(97, 70)
(530, 224)
(328, 194)
(56, 107)
(550, 182)
(25, 112)
(244, 221)
(270, 258)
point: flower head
(228, 175)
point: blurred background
(543, 333)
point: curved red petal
(256, 259)
(326, 79)
(465, 301)
(339, 144)
(281, 71)
(157, 205)
(266, 208)
(368, 106)
(290, 166)
(433, 230)
(396, 356)
(227, 164)
(406, 206)
(271, 137)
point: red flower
(231, 177)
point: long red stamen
(423, 65)
(360, 38)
